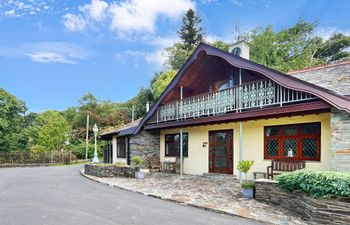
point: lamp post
(95, 159)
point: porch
(219, 193)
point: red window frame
(173, 142)
(299, 136)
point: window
(303, 140)
(172, 144)
(121, 147)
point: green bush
(137, 160)
(318, 184)
(244, 166)
(248, 185)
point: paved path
(60, 195)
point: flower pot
(248, 193)
(139, 175)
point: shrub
(244, 166)
(318, 184)
(137, 160)
(248, 185)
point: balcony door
(221, 151)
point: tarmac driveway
(60, 195)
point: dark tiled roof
(335, 77)
(127, 129)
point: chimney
(147, 106)
(240, 49)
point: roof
(336, 100)
(334, 76)
(127, 129)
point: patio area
(220, 193)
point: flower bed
(108, 170)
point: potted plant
(137, 160)
(247, 186)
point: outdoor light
(95, 130)
(290, 153)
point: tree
(191, 35)
(145, 95)
(51, 131)
(161, 81)
(334, 48)
(221, 45)
(190, 32)
(12, 111)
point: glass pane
(310, 129)
(220, 151)
(271, 131)
(272, 148)
(220, 85)
(220, 163)
(220, 138)
(290, 145)
(167, 149)
(310, 148)
(290, 131)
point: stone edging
(169, 199)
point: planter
(139, 175)
(248, 193)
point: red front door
(221, 151)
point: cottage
(226, 108)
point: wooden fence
(22, 158)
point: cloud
(96, 9)
(155, 57)
(21, 8)
(49, 57)
(326, 32)
(126, 17)
(74, 22)
(46, 52)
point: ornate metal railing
(257, 94)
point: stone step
(220, 175)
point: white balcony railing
(257, 94)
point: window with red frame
(303, 139)
(172, 145)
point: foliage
(221, 45)
(161, 81)
(248, 185)
(137, 160)
(145, 95)
(50, 132)
(190, 32)
(318, 184)
(296, 47)
(244, 166)
(79, 149)
(12, 123)
(120, 163)
(177, 56)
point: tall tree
(12, 123)
(191, 33)
(161, 81)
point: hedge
(318, 184)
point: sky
(53, 52)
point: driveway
(60, 195)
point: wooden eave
(264, 113)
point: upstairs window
(172, 145)
(299, 141)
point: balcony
(252, 95)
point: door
(221, 151)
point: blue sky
(52, 52)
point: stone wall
(340, 140)
(109, 170)
(144, 144)
(315, 211)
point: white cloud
(46, 52)
(22, 8)
(96, 9)
(326, 32)
(155, 57)
(10, 13)
(74, 22)
(141, 15)
(126, 17)
(49, 57)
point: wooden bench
(153, 162)
(285, 166)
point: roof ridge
(318, 67)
